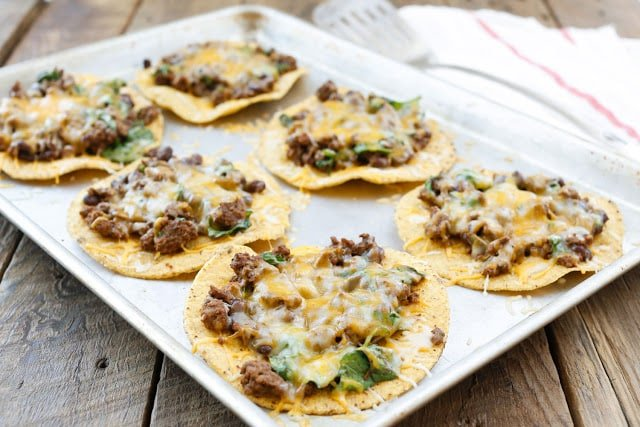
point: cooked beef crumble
(211, 70)
(551, 219)
(58, 117)
(262, 295)
(124, 210)
(350, 130)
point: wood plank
(599, 361)
(65, 357)
(9, 238)
(623, 14)
(180, 401)
(16, 17)
(155, 12)
(612, 318)
(592, 400)
(67, 23)
(519, 388)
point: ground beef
(420, 139)
(496, 265)
(214, 315)
(438, 226)
(147, 241)
(438, 336)
(328, 91)
(98, 137)
(247, 268)
(284, 63)
(161, 153)
(282, 251)
(109, 228)
(301, 148)
(17, 91)
(259, 380)
(254, 87)
(173, 235)
(194, 160)
(229, 214)
(254, 186)
(91, 213)
(179, 210)
(148, 114)
(406, 296)
(96, 195)
(21, 150)
(226, 294)
(342, 249)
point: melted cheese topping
(305, 309)
(486, 211)
(352, 120)
(232, 63)
(68, 112)
(196, 185)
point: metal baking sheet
(482, 325)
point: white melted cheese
(303, 310)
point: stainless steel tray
(485, 134)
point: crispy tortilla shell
(270, 219)
(437, 156)
(200, 110)
(48, 170)
(455, 263)
(228, 357)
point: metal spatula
(376, 25)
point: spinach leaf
(213, 232)
(375, 103)
(115, 85)
(382, 363)
(285, 120)
(105, 117)
(365, 367)
(138, 131)
(558, 245)
(162, 70)
(372, 147)
(49, 76)
(328, 161)
(273, 259)
(282, 362)
(480, 181)
(133, 147)
(353, 372)
(400, 105)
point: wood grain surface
(67, 359)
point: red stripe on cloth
(567, 35)
(590, 99)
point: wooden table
(67, 359)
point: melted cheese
(304, 309)
(232, 63)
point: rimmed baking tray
(485, 133)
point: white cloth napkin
(591, 73)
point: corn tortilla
(228, 357)
(48, 170)
(437, 156)
(456, 264)
(201, 110)
(270, 219)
